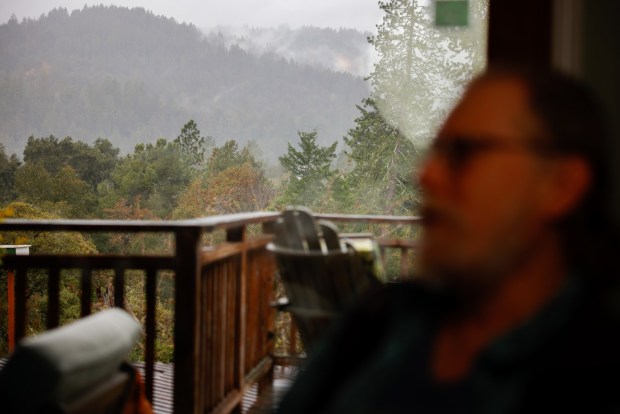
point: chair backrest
(72, 369)
(321, 274)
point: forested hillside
(132, 77)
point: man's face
(483, 182)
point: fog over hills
(130, 76)
(342, 50)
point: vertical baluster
(21, 315)
(149, 357)
(53, 298)
(213, 357)
(87, 285)
(231, 340)
(267, 273)
(119, 288)
(216, 365)
(206, 335)
(209, 300)
(404, 263)
(292, 344)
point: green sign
(451, 13)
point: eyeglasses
(459, 150)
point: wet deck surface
(253, 403)
(163, 385)
(264, 403)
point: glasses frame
(459, 150)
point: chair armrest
(63, 363)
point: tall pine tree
(310, 171)
(381, 179)
(422, 69)
(420, 72)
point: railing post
(187, 393)
(238, 235)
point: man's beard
(473, 282)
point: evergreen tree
(383, 158)
(309, 171)
(421, 69)
(192, 144)
(420, 72)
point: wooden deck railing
(223, 321)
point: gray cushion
(60, 364)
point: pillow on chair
(62, 364)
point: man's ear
(570, 179)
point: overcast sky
(360, 14)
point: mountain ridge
(130, 76)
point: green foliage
(44, 242)
(242, 188)
(33, 183)
(92, 164)
(154, 175)
(229, 155)
(8, 170)
(309, 171)
(64, 192)
(234, 182)
(62, 175)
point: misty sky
(360, 14)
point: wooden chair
(78, 368)
(321, 274)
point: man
(513, 309)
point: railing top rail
(360, 218)
(207, 224)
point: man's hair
(575, 123)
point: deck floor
(283, 379)
(252, 402)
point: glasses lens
(458, 151)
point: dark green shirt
(567, 357)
